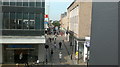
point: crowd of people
(52, 40)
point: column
(1, 55)
(41, 52)
(77, 47)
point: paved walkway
(66, 58)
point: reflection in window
(37, 21)
(12, 21)
(25, 21)
(31, 16)
(12, 3)
(6, 21)
(19, 20)
(25, 15)
(38, 4)
(31, 24)
(43, 4)
(5, 3)
(19, 15)
(25, 3)
(25, 24)
(19, 3)
(31, 4)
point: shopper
(60, 56)
(60, 45)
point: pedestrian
(55, 45)
(51, 53)
(70, 43)
(60, 56)
(60, 45)
(51, 56)
(50, 39)
(54, 38)
(26, 64)
(56, 35)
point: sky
(55, 9)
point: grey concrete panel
(104, 36)
(41, 53)
(1, 54)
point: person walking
(60, 45)
(60, 56)
(54, 38)
(51, 54)
(55, 45)
(50, 39)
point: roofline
(71, 4)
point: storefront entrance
(20, 56)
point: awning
(22, 40)
(20, 48)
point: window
(12, 3)
(31, 21)
(19, 3)
(6, 21)
(25, 21)
(6, 3)
(31, 16)
(19, 20)
(31, 4)
(19, 15)
(25, 2)
(37, 21)
(25, 15)
(38, 4)
(12, 21)
(31, 24)
(43, 4)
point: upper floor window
(5, 3)
(25, 3)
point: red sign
(45, 16)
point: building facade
(64, 21)
(105, 34)
(79, 17)
(22, 27)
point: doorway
(20, 56)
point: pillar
(41, 53)
(1, 59)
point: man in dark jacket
(60, 45)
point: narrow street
(55, 58)
(66, 51)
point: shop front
(21, 50)
(20, 54)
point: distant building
(79, 18)
(64, 21)
(22, 26)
